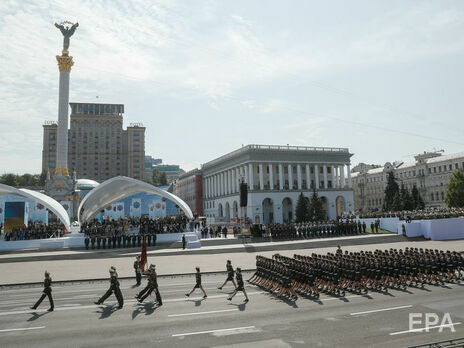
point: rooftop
(282, 148)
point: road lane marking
(23, 329)
(381, 310)
(235, 329)
(424, 328)
(200, 313)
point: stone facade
(98, 147)
(430, 173)
(275, 176)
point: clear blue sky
(383, 78)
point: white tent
(47, 201)
(120, 187)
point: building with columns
(275, 176)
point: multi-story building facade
(189, 187)
(98, 146)
(275, 176)
(430, 173)
(172, 171)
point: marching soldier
(92, 240)
(240, 286)
(86, 241)
(183, 242)
(138, 270)
(114, 287)
(47, 291)
(198, 284)
(230, 275)
(152, 285)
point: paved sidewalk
(82, 269)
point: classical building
(430, 173)
(275, 176)
(189, 188)
(98, 146)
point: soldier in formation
(356, 272)
(197, 284)
(114, 288)
(152, 285)
(138, 270)
(230, 275)
(240, 286)
(47, 291)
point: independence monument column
(60, 185)
(65, 62)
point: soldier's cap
(112, 269)
(239, 269)
(47, 273)
(137, 256)
(152, 266)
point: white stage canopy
(120, 187)
(47, 201)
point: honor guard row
(94, 241)
(334, 228)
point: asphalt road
(373, 320)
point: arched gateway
(118, 188)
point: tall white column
(245, 170)
(222, 190)
(261, 176)
(326, 184)
(334, 177)
(228, 182)
(251, 175)
(342, 176)
(337, 177)
(290, 177)
(271, 177)
(281, 176)
(298, 176)
(348, 172)
(308, 177)
(213, 188)
(316, 176)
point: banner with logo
(118, 210)
(136, 207)
(157, 208)
(39, 213)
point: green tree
(159, 178)
(391, 190)
(9, 179)
(396, 204)
(455, 190)
(315, 207)
(302, 208)
(418, 202)
(406, 200)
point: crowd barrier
(437, 229)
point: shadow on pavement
(147, 308)
(241, 306)
(106, 311)
(36, 316)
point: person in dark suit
(138, 270)
(47, 291)
(184, 242)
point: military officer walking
(197, 284)
(230, 275)
(114, 287)
(152, 285)
(47, 291)
(240, 285)
(138, 270)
